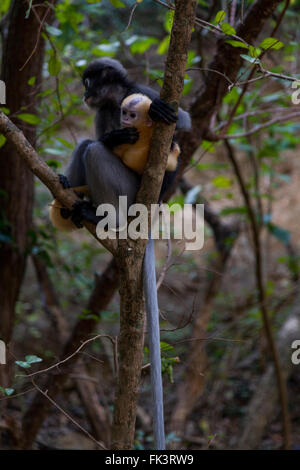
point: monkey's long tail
(154, 344)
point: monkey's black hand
(84, 210)
(162, 111)
(128, 135)
(64, 181)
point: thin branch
(42, 371)
(205, 24)
(38, 36)
(131, 16)
(287, 117)
(245, 87)
(45, 394)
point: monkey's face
(134, 111)
(103, 88)
(129, 117)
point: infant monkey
(135, 113)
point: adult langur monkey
(94, 164)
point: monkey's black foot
(162, 111)
(64, 181)
(127, 135)
(84, 210)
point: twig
(205, 24)
(18, 394)
(38, 36)
(42, 371)
(45, 394)
(245, 87)
(260, 127)
(131, 16)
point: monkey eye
(132, 115)
(87, 82)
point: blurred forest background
(220, 387)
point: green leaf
(220, 16)
(117, 3)
(142, 44)
(207, 146)
(29, 118)
(166, 346)
(2, 140)
(271, 43)
(23, 364)
(212, 166)
(7, 391)
(252, 60)
(56, 152)
(235, 43)
(54, 164)
(188, 83)
(279, 232)
(83, 45)
(228, 29)
(33, 359)
(65, 142)
(32, 81)
(169, 21)
(222, 182)
(29, 8)
(54, 65)
(108, 49)
(4, 6)
(234, 210)
(53, 31)
(164, 45)
(254, 51)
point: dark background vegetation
(219, 384)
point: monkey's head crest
(106, 83)
(99, 65)
(137, 100)
(134, 111)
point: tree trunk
(16, 180)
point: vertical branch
(130, 254)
